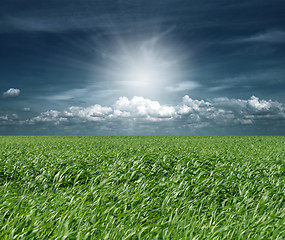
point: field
(142, 188)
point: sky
(134, 67)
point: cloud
(183, 86)
(9, 119)
(270, 37)
(49, 22)
(68, 95)
(190, 113)
(52, 116)
(93, 113)
(12, 92)
(26, 109)
(141, 107)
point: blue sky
(166, 67)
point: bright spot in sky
(144, 67)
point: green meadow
(142, 188)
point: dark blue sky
(171, 67)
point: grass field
(142, 188)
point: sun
(143, 67)
(142, 71)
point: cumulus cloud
(189, 113)
(48, 116)
(93, 113)
(9, 119)
(141, 107)
(12, 92)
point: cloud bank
(190, 113)
(141, 116)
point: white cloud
(93, 113)
(4, 117)
(48, 116)
(9, 119)
(141, 107)
(26, 109)
(190, 113)
(12, 92)
(259, 105)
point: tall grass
(142, 187)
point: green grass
(142, 188)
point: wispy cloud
(269, 37)
(67, 95)
(57, 24)
(48, 24)
(183, 86)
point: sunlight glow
(144, 67)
